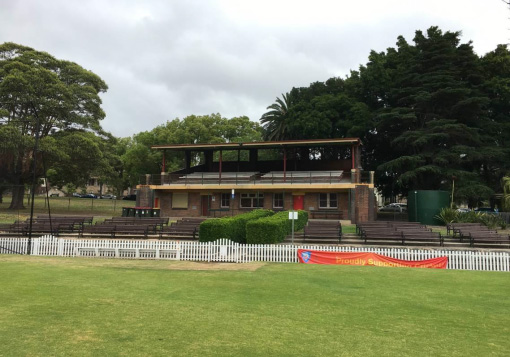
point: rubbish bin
(128, 212)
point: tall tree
(61, 94)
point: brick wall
(144, 197)
(194, 205)
(311, 201)
(362, 204)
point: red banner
(320, 257)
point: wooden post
(284, 165)
(221, 161)
(352, 157)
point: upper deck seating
(215, 177)
(303, 176)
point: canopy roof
(261, 144)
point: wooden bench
(317, 232)
(98, 229)
(490, 237)
(178, 232)
(454, 227)
(427, 236)
(382, 235)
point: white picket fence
(224, 250)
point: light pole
(453, 190)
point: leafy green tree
(139, 159)
(60, 93)
(426, 111)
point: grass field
(93, 307)
(65, 205)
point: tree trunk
(18, 193)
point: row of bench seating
(478, 234)
(398, 232)
(48, 225)
(319, 229)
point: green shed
(424, 205)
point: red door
(206, 204)
(299, 202)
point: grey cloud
(168, 59)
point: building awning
(261, 145)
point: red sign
(320, 257)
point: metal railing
(240, 178)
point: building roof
(261, 144)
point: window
(328, 200)
(180, 200)
(252, 200)
(225, 200)
(278, 200)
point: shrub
(274, 229)
(238, 223)
(447, 216)
(213, 229)
(233, 228)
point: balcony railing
(247, 178)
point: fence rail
(224, 250)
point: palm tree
(276, 120)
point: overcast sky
(166, 59)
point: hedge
(274, 229)
(233, 228)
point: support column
(238, 159)
(254, 157)
(208, 155)
(353, 164)
(187, 163)
(221, 162)
(284, 165)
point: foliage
(65, 98)
(449, 215)
(273, 229)
(139, 159)
(233, 228)
(429, 113)
(215, 228)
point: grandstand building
(323, 177)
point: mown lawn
(64, 206)
(93, 307)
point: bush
(238, 223)
(492, 221)
(447, 215)
(213, 229)
(274, 229)
(233, 228)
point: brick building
(323, 177)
